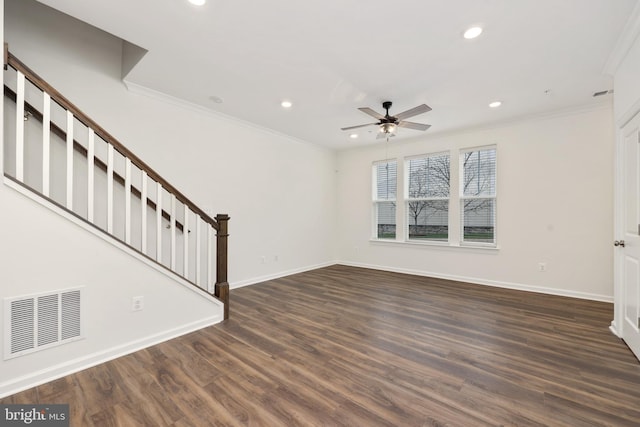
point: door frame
(617, 324)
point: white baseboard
(273, 276)
(614, 329)
(34, 379)
(494, 283)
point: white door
(630, 239)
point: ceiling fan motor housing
(387, 118)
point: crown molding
(627, 37)
(191, 106)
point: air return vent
(41, 321)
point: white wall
(555, 178)
(42, 252)
(278, 192)
(554, 201)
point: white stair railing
(63, 155)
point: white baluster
(209, 256)
(173, 232)
(91, 154)
(46, 144)
(20, 127)
(143, 212)
(69, 160)
(110, 152)
(185, 240)
(127, 201)
(198, 251)
(159, 223)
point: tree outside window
(478, 196)
(428, 182)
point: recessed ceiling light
(472, 33)
(495, 104)
(286, 104)
(216, 99)
(353, 136)
(198, 2)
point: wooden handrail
(87, 121)
(79, 148)
(220, 223)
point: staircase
(61, 156)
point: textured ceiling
(330, 57)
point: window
(478, 196)
(427, 197)
(384, 199)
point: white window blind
(427, 197)
(385, 178)
(478, 196)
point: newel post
(221, 290)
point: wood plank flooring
(343, 346)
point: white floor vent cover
(41, 321)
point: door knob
(619, 243)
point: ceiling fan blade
(412, 125)
(372, 113)
(359, 126)
(424, 108)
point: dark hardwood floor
(343, 346)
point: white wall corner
(260, 279)
(131, 55)
(627, 37)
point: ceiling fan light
(388, 127)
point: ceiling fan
(388, 124)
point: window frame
(408, 199)
(462, 197)
(376, 201)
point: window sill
(434, 245)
